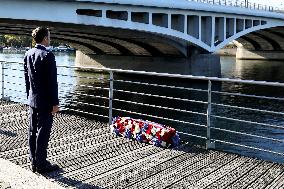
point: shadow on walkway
(70, 182)
(7, 133)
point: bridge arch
(98, 42)
(141, 28)
(268, 40)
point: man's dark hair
(39, 34)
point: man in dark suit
(42, 92)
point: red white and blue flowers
(145, 131)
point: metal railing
(198, 107)
(242, 4)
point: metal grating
(90, 157)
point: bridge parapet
(242, 4)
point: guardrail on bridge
(242, 4)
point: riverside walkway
(91, 157)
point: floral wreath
(145, 131)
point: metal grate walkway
(90, 157)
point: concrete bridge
(148, 28)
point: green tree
(11, 40)
(2, 40)
(14, 41)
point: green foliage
(17, 41)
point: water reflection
(261, 70)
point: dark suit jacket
(41, 78)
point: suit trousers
(40, 123)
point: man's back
(40, 75)
(42, 92)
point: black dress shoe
(33, 168)
(48, 167)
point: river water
(230, 68)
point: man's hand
(55, 109)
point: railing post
(2, 66)
(209, 143)
(3, 83)
(110, 96)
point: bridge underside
(262, 44)
(102, 41)
(92, 40)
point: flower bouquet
(145, 131)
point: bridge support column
(259, 55)
(205, 65)
(198, 64)
(85, 60)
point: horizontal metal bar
(184, 122)
(247, 134)
(13, 69)
(15, 83)
(277, 84)
(11, 62)
(164, 86)
(181, 76)
(24, 98)
(88, 86)
(191, 135)
(14, 90)
(95, 105)
(14, 76)
(251, 109)
(165, 97)
(61, 92)
(245, 95)
(250, 147)
(79, 111)
(82, 94)
(161, 107)
(85, 77)
(250, 122)
(19, 98)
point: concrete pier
(259, 55)
(200, 64)
(246, 54)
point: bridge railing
(241, 116)
(241, 4)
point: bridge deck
(90, 157)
